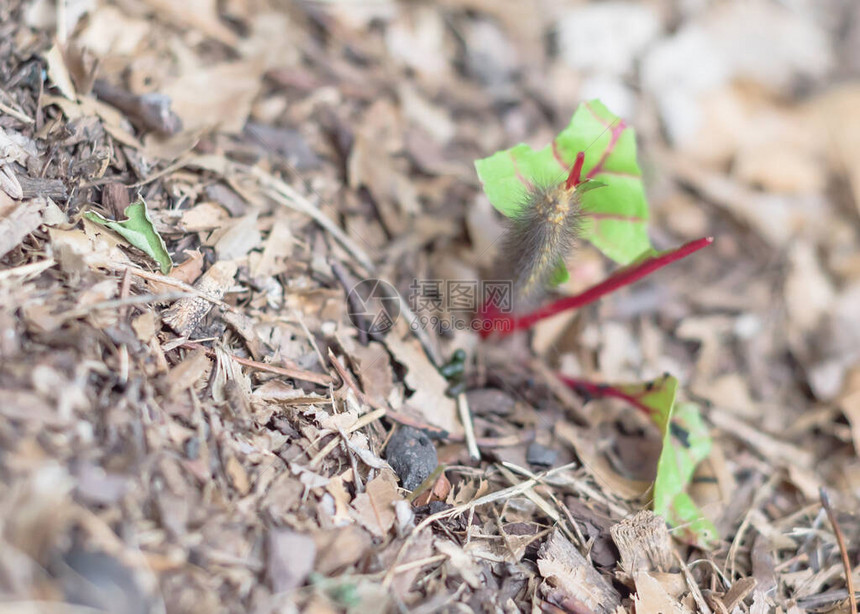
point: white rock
(606, 37)
(612, 92)
(677, 72)
(749, 40)
(770, 44)
(689, 61)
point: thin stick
(492, 497)
(169, 281)
(300, 374)
(338, 437)
(432, 430)
(468, 428)
(618, 280)
(20, 116)
(551, 512)
(25, 270)
(352, 300)
(694, 588)
(138, 299)
(840, 540)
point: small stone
(412, 456)
(540, 455)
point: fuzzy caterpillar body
(540, 236)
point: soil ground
(221, 436)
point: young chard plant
(587, 185)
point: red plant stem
(617, 280)
(596, 391)
(575, 176)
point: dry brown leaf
(731, 392)
(439, 492)
(338, 548)
(58, 73)
(205, 216)
(837, 119)
(237, 475)
(290, 559)
(374, 508)
(849, 403)
(808, 291)
(652, 598)
(597, 465)
(237, 238)
(187, 373)
(145, 325)
(374, 371)
(199, 14)
(429, 397)
(460, 561)
(20, 222)
(216, 97)
(278, 247)
(338, 490)
(112, 32)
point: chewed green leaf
(686, 443)
(139, 231)
(655, 397)
(616, 216)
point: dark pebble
(539, 455)
(412, 456)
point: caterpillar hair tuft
(542, 233)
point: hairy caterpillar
(542, 232)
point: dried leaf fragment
(290, 559)
(139, 231)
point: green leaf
(138, 230)
(615, 216)
(686, 443)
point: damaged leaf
(615, 216)
(686, 443)
(139, 231)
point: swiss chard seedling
(587, 185)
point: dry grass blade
(843, 550)
(499, 495)
(293, 373)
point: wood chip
(568, 574)
(644, 543)
(186, 313)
